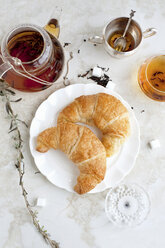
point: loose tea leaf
(66, 44)
(85, 74)
(157, 72)
(103, 68)
(18, 100)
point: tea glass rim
(26, 27)
(129, 185)
(106, 42)
(148, 63)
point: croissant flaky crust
(80, 145)
(105, 112)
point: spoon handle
(128, 23)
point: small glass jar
(32, 59)
(151, 77)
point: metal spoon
(120, 43)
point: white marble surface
(80, 221)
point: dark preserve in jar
(40, 53)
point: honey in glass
(151, 77)
(130, 42)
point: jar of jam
(31, 57)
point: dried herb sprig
(6, 92)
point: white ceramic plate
(57, 168)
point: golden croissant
(105, 112)
(80, 145)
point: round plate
(54, 164)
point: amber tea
(151, 77)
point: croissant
(80, 145)
(105, 112)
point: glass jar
(32, 58)
(151, 77)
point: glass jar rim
(148, 63)
(25, 27)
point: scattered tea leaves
(103, 68)
(85, 74)
(101, 80)
(37, 172)
(18, 100)
(66, 44)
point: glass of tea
(31, 57)
(151, 77)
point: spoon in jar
(120, 43)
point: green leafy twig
(19, 164)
